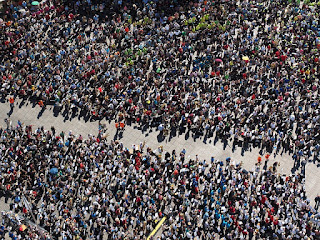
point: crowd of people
(242, 69)
(89, 188)
(248, 69)
(15, 226)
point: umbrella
(218, 60)
(22, 227)
(245, 58)
(160, 127)
(54, 171)
(35, 3)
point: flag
(26, 204)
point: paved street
(132, 135)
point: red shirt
(244, 75)
(283, 58)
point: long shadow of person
(242, 151)
(22, 103)
(296, 163)
(234, 143)
(74, 112)
(315, 158)
(120, 135)
(225, 143)
(65, 112)
(187, 135)
(265, 166)
(129, 122)
(56, 110)
(160, 137)
(41, 112)
(10, 112)
(205, 137)
(86, 116)
(216, 138)
(34, 103)
(3, 98)
(115, 137)
(182, 130)
(81, 113)
(144, 128)
(195, 136)
(171, 135)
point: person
(8, 122)
(41, 104)
(259, 160)
(11, 101)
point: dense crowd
(16, 226)
(77, 188)
(246, 69)
(249, 69)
